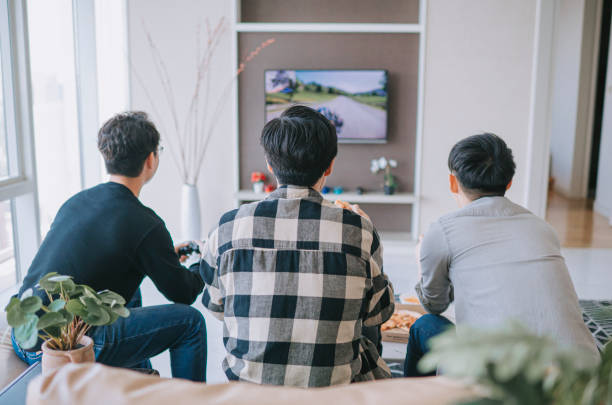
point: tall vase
(190, 213)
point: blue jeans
(148, 331)
(426, 327)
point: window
(65, 99)
(111, 56)
(3, 151)
(7, 252)
(19, 236)
(55, 114)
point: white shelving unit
(412, 199)
(353, 198)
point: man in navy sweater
(106, 238)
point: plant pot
(190, 213)
(54, 359)
(389, 190)
(258, 187)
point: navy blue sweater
(106, 238)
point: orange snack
(399, 320)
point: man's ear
(509, 185)
(150, 162)
(453, 183)
(330, 169)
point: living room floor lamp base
(190, 213)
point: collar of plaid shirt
(291, 191)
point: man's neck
(318, 186)
(134, 184)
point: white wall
(478, 78)
(603, 194)
(172, 25)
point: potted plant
(382, 164)
(63, 323)
(516, 367)
(258, 179)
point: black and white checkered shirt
(295, 278)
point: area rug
(597, 316)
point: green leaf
(27, 334)
(50, 286)
(96, 314)
(51, 319)
(16, 317)
(76, 307)
(14, 302)
(120, 310)
(59, 278)
(68, 286)
(97, 319)
(31, 304)
(112, 315)
(56, 305)
(67, 315)
(88, 292)
(110, 297)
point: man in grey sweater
(495, 259)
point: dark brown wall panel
(398, 53)
(333, 11)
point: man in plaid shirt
(296, 278)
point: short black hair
(125, 141)
(483, 164)
(299, 145)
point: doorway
(575, 155)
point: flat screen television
(355, 101)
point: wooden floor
(577, 224)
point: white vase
(190, 213)
(258, 187)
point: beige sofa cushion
(98, 384)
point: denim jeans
(426, 327)
(148, 331)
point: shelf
(367, 198)
(330, 27)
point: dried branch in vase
(190, 135)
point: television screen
(355, 101)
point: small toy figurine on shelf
(359, 190)
(338, 190)
(258, 179)
(269, 188)
(382, 164)
(325, 190)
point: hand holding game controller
(188, 249)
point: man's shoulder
(487, 207)
(114, 204)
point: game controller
(192, 247)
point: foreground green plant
(72, 310)
(518, 368)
